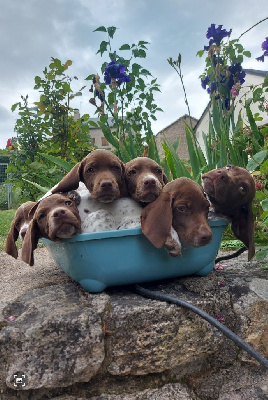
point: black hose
(169, 299)
(233, 255)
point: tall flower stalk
(177, 67)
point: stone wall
(171, 133)
(64, 343)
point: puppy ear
(165, 179)
(10, 246)
(71, 180)
(123, 185)
(30, 242)
(156, 219)
(243, 228)
(32, 210)
(74, 196)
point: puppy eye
(228, 167)
(243, 189)
(41, 216)
(182, 208)
(132, 172)
(68, 203)
(91, 169)
(17, 225)
(158, 171)
(116, 168)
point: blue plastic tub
(121, 257)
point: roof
(183, 117)
(255, 72)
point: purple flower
(204, 82)
(214, 86)
(264, 47)
(115, 71)
(219, 317)
(237, 74)
(217, 34)
(261, 58)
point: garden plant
(50, 141)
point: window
(104, 142)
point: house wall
(98, 139)
(171, 133)
(245, 92)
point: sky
(33, 31)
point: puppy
(102, 173)
(123, 213)
(56, 217)
(144, 179)
(180, 213)
(231, 191)
(18, 228)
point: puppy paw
(173, 244)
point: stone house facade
(253, 78)
(172, 132)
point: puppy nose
(205, 234)
(23, 233)
(106, 184)
(58, 213)
(149, 182)
(222, 174)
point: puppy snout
(23, 232)
(221, 174)
(205, 234)
(149, 182)
(58, 213)
(106, 184)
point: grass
(6, 218)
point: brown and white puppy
(231, 191)
(103, 174)
(18, 228)
(182, 205)
(144, 179)
(55, 217)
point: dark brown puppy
(55, 217)
(103, 174)
(231, 191)
(18, 228)
(182, 205)
(145, 179)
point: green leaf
(93, 123)
(132, 149)
(14, 106)
(261, 254)
(256, 160)
(264, 205)
(247, 53)
(90, 77)
(200, 53)
(42, 189)
(139, 53)
(265, 83)
(111, 31)
(251, 120)
(103, 47)
(125, 47)
(58, 161)
(176, 166)
(109, 136)
(100, 29)
(136, 69)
